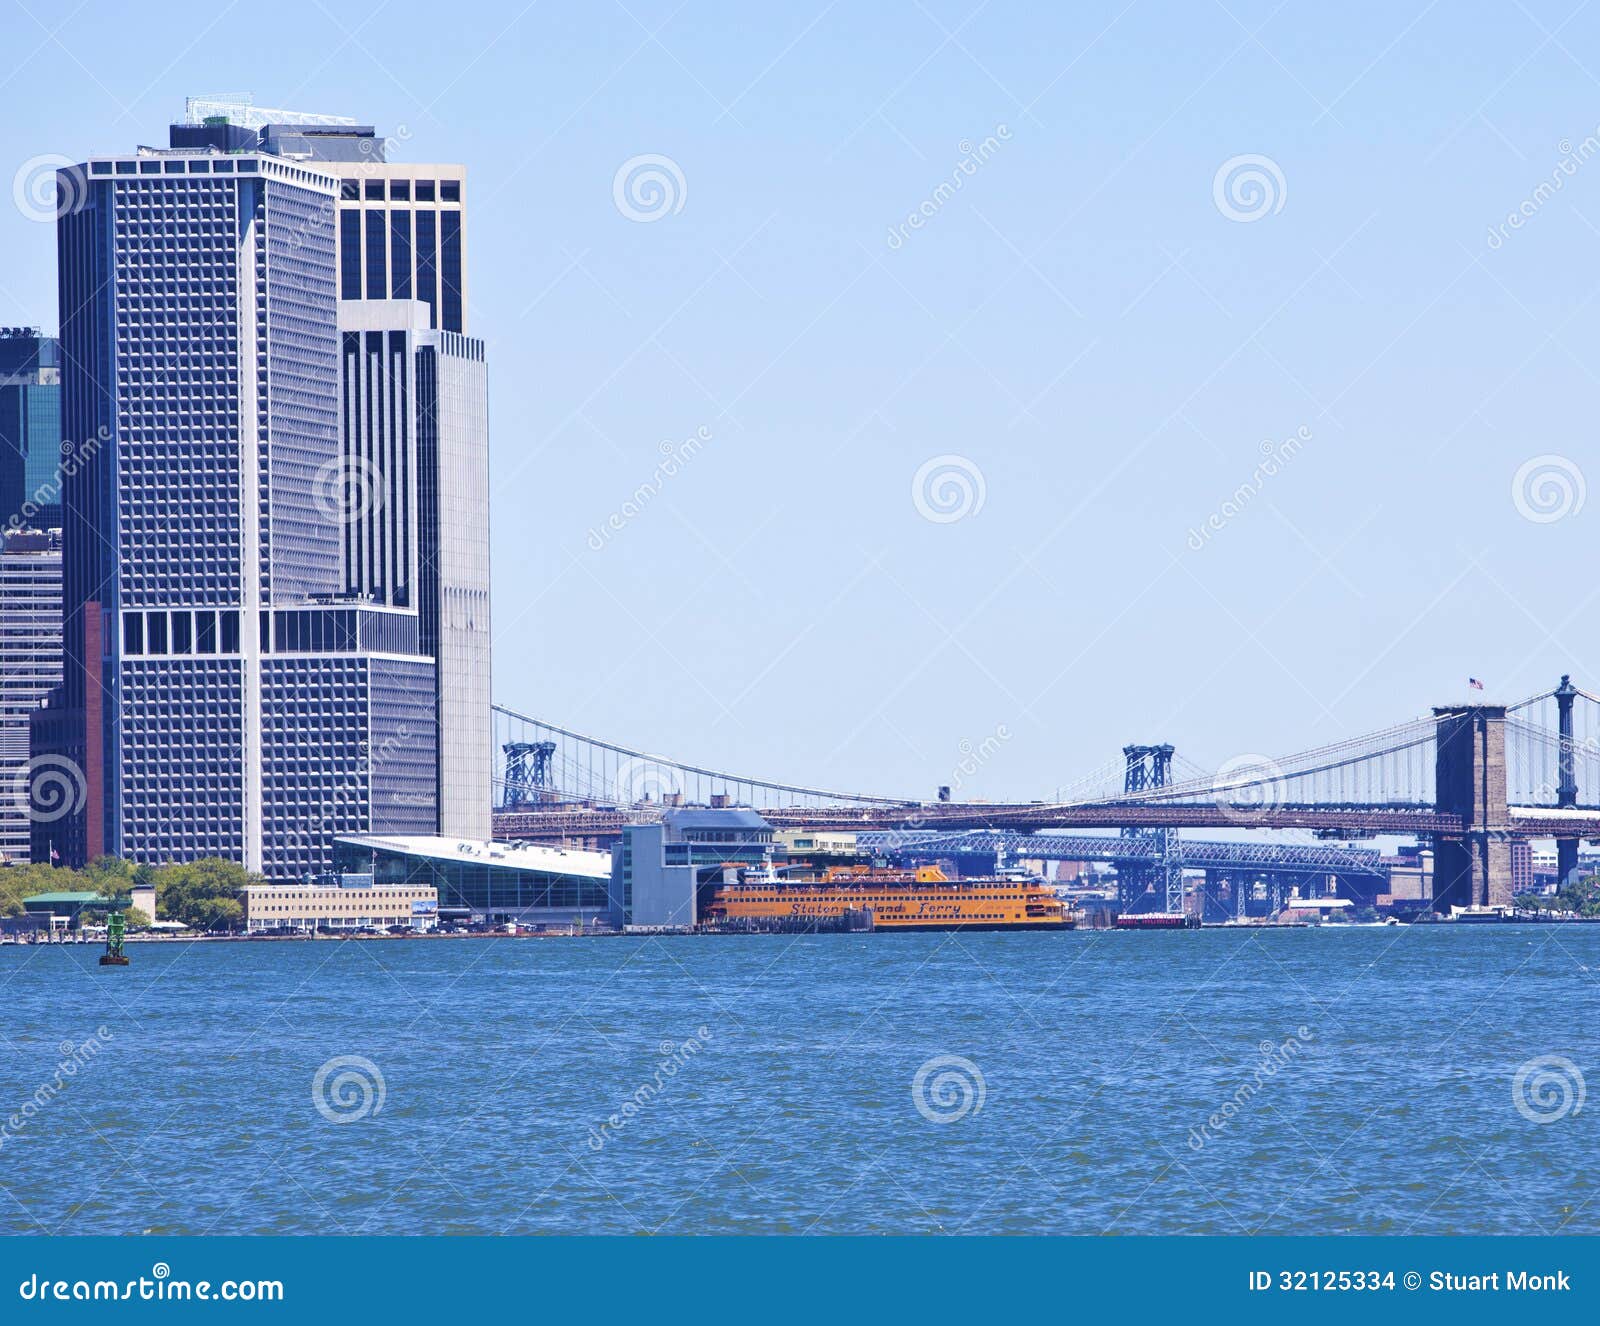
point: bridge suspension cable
(585, 768)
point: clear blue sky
(1080, 321)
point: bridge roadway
(1189, 853)
(1354, 822)
(1450, 776)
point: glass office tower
(223, 692)
(30, 429)
(415, 426)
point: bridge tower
(1567, 777)
(1150, 767)
(1472, 868)
(527, 772)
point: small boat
(1157, 921)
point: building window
(400, 253)
(450, 269)
(376, 247)
(350, 254)
(428, 263)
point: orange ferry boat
(921, 899)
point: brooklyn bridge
(1468, 779)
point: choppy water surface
(1426, 1079)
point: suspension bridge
(1471, 778)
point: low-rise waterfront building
(362, 905)
(65, 909)
(487, 882)
(1410, 884)
(657, 869)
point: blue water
(1091, 1063)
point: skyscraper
(415, 427)
(228, 688)
(415, 404)
(30, 429)
(30, 668)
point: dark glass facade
(403, 237)
(30, 431)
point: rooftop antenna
(239, 108)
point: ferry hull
(919, 899)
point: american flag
(1474, 683)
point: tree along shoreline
(205, 895)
